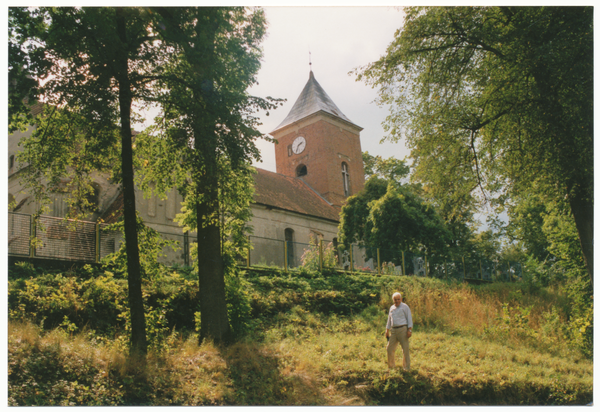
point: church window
(346, 179)
(171, 204)
(11, 161)
(152, 206)
(301, 171)
(315, 236)
(289, 240)
(58, 206)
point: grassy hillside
(302, 339)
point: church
(319, 165)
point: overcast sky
(339, 40)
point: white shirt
(399, 316)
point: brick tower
(320, 145)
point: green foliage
(43, 374)
(335, 293)
(88, 66)
(354, 226)
(22, 87)
(561, 234)
(486, 245)
(77, 75)
(514, 320)
(307, 338)
(23, 270)
(53, 299)
(393, 218)
(526, 223)
(204, 140)
(403, 221)
(151, 248)
(67, 151)
(311, 258)
(390, 169)
(547, 230)
(582, 330)
(191, 152)
(239, 303)
(493, 101)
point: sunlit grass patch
(306, 340)
(350, 354)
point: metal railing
(61, 239)
(264, 252)
(47, 237)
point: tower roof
(313, 99)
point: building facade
(319, 165)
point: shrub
(151, 245)
(311, 257)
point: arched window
(289, 240)
(346, 179)
(151, 202)
(301, 171)
(172, 202)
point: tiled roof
(313, 99)
(292, 194)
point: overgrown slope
(304, 338)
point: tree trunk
(134, 278)
(211, 276)
(583, 213)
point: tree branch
(479, 179)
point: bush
(306, 335)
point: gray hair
(397, 294)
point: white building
(319, 164)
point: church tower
(320, 145)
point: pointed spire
(312, 100)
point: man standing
(400, 324)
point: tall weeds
(304, 338)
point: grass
(492, 345)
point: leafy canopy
(491, 100)
(390, 215)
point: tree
(401, 220)
(22, 87)
(526, 226)
(486, 245)
(95, 62)
(354, 225)
(494, 99)
(391, 168)
(389, 215)
(205, 137)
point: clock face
(298, 145)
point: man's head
(397, 298)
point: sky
(337, 40)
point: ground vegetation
(302, 338)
